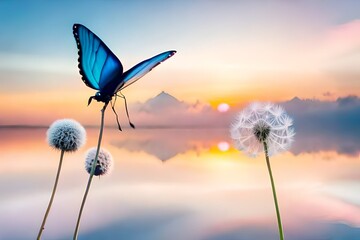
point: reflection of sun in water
(223, 146)
(223, 107)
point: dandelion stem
(91, 173)
(52, 196)
(281, 234)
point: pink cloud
(343, 38)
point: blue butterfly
(102, 70)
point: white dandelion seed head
(66, 134)
(277, 111)
(268, 106)
(255, 107)
(262, 122)
(104, 162)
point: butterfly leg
(117, 117)
(126, 108)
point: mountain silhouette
(162, 102)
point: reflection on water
(179, 184)
(166, 144)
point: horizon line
(21, 126)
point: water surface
(179, 184)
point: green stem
(274, 192)
(52, 196)
(91, 173)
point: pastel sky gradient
(228, 51)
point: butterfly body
(101, 97)
(102, 70)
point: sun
(223, 107)
(223, 146)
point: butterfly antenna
(126, 108)
(117, 117)
(90, 99)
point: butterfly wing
(140, 69)
(99, 67)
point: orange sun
(223, 107)
(223, 146)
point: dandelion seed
(264, 127)
(104, 162)
(262, 122)
(67, 135)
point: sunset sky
(178, 175)
(228, 51)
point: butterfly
(102, 70)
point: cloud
(326, 125)
(350, 101)
(343, 37)
(328, 94)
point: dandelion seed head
(268, 106)
(259, 123)
(261, 130)
(277, 111)
(66, 134)
(104, 162)
(287, 121)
